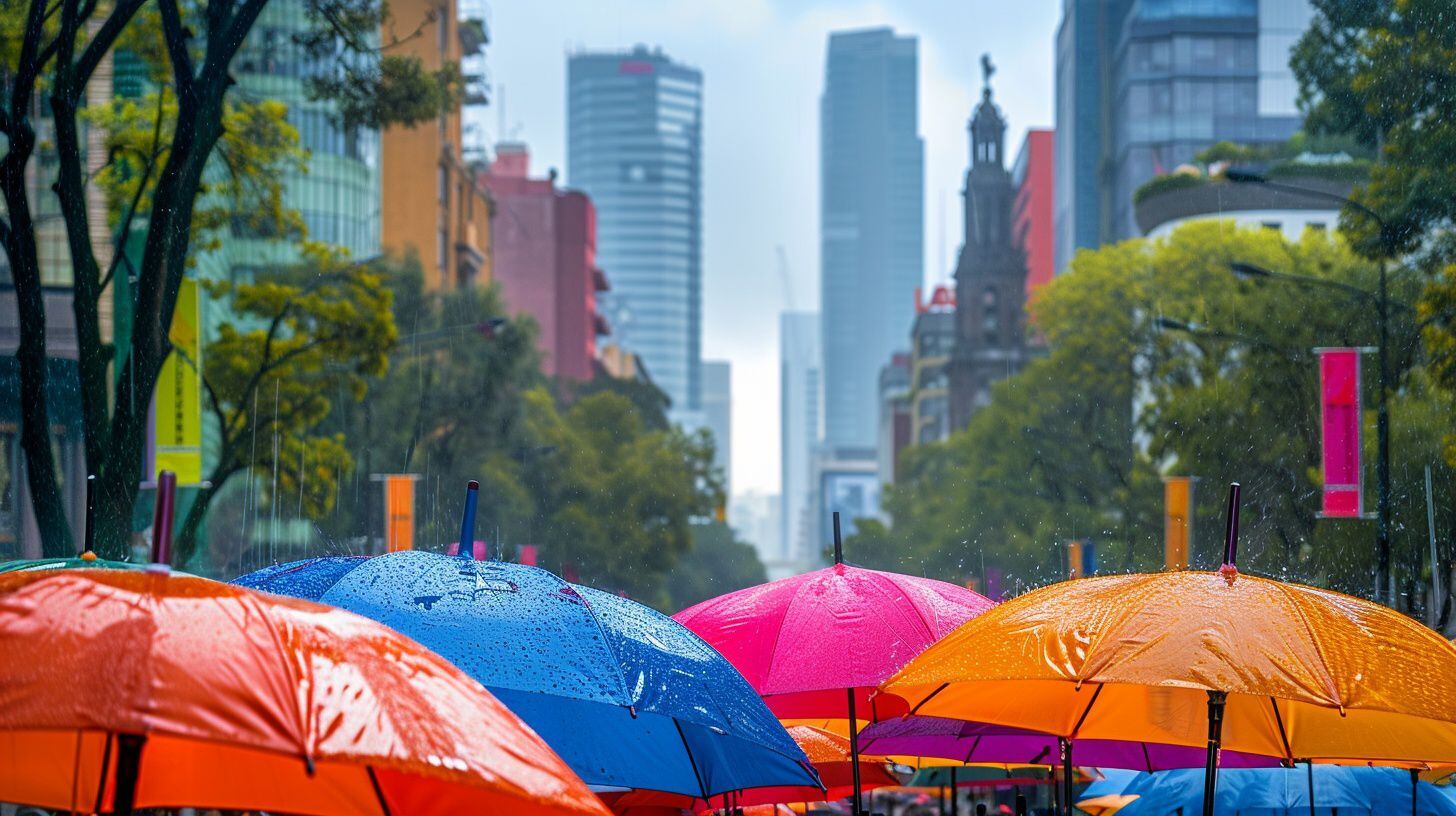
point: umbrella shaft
(854, 752)
(1215, 741)
(128, 768)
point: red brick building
(1032, 212)
(544, 247)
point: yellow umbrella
(1200, 659)
(1105, 805)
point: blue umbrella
(628, 697)
(1350, 791)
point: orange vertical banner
(1177, 521)
(399, 512)
(1075, 567)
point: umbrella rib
(378, 791)
(105, 762)
(687, 749)
(976, 743)
(1088, 710)
(943, 687)
(1147, 760)
(1283, 737)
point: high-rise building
(1143, 86)
(990, 341)
(1086, 47)
(894, 400)
(634, 144)
(432, 202)
(932, 340)
(1032, 211)
(801, 428)
(871, 180)
(717, 408)
(543, 243)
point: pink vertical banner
(1340, 432)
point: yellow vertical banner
(1177, 521)
(399, 512)
(179, 393)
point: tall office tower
(801, 419)
(1143, 86)
(717, 407)
(634, 144)
(1086, 46)
(871, 179)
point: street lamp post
(1384, 589)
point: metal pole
(1066, 774)
(954, 807)
(853, 720)
(90, 545)
(1415, 790)
(1433, 612)
(1216, 701)
(467, 521)
(162, 515)
(1385, 587)
(1309, 771)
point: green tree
(1383, 72)
(295, 339)
(51, 51)
(1073, 446)
(716, 563)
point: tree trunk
(35, 436)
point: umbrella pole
(467, 520)
(1415, 789)
(1216, 700)
(853, 742)
(90, 545)
(953, 806)
(1309, 770)
(855, 800)
(1066, 749)
(128, 767)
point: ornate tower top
(988, 129)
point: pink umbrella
(818, 645)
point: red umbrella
(122, 690)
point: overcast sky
(763, 66)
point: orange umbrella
(1105, 805)
(830, 755)
(1196, 659)
(122, 690)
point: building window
(443, 185)
(442, 17)
(1272, 225)
(442, 242)
(990, 328)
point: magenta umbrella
(818, 645)
(977, 743)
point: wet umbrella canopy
(629, 698)
(971, 742)
(1308, 673)
(166, 691)
(1345, 791)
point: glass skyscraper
(871, 181)
(1143, 86)
(634, 144)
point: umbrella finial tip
(1229, 572)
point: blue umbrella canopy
(627, 696)
(1350, 791)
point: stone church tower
(991, 271)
